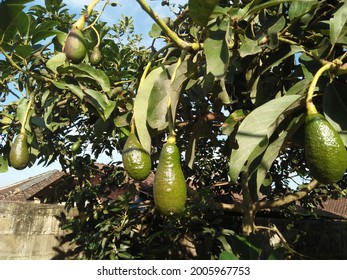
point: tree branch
(288, 198)
(170, 33)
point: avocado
(169, 189)
(19, 153)
(136, 161)
(95, 56)
(76, 146)
(75, 46)
(325, 153)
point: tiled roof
(338, 207)
(26, 189)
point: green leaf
(256, 129)
(226, 255)
(56, 61)
(231, 122)
(337, 24)
(217, 50)
(21, 111)
(141, 106)
(100, 102)
(155, 32)
(83, 70)
(335, 107)
(158, 101)
(298, 8)
(162, 88)
(201, 10)
(3, 164)
(249, 47)
(11, 12)
(260, 171)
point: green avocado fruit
(19, 153)
(76, 146)
(326, 155)
(169, 189)
(95, 56)
(136, 160)
(75, 46)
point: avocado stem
(309, 102)
(25, 117)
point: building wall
(30, 231)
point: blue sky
(142, 23)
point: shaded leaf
(201, 10)
(256, 129)
(217, 50)
(335, 107)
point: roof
(26, 189)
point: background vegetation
(241, 74)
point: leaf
(162, 88)
(231, 122)
(249, 47)
(10, 12)
(217, 50)
(260, 171)
(21, 111)
(256, 129)
(141, 106)
(155, 32)
(201, 10)
(3, 164)
(298, 8)
(335, 107)
(158, 101)
(226, 255)
(83, 70)
(56, 61)
(100, 102)
(337, 24)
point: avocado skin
(169, 189)
(19, 153)
(136, 161)
(75, 46)
(325, 153)
(95, 56)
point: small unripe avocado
(76, 146)
(326, 155)
(19, 153)
(95, 56)
(169, 189)
(136, 160)
(75, 46)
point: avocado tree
(239, 105)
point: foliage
(236, 86)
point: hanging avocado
(95, 56)
(19, 153)
(75, 46)
(325, 152)
(136, 160)
(169, 189)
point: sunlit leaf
(255, 130)
(141, 106)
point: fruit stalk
(311, 109)
(25, 117)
